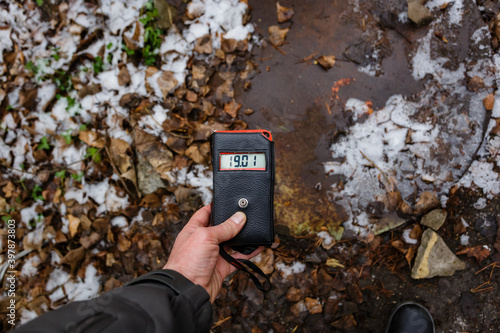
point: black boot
(411, 318)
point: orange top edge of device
(265, 133)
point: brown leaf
(123, 75)
(284, 13)
(74, 223)
(123, 243)
(488, 102)
(232, 108)
(88, 241)
(426, 202)
(313, 305)
(89, 89)
(92, 138)
(174, 123)
(479, 252)
(496, 130)
(8, 189)
(199, 153)
(204, 44)
(73, 257)
(345, 323)
(188, 199)
(177, 144)
(398, 245)
(409, 255)
(475, 84)
(229, 45)
(326, 62)
(167, 83)
(293, 294)
(276, 35)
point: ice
(296, 268)
(464, 240)
(480, 203)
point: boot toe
(411, 318)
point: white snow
(325, 236)
(29, 268)
(296, 268)
(464, 240)
(480, 203)
(76, 290)
(120, 222)
(407, 238)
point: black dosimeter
(243, 180)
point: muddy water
(303, 104)
(291, 95)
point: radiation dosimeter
(243, 180)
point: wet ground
(304, 107)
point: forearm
(160, 301)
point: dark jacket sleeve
(159, 301)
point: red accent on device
(265, 133)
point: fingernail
(239, 217)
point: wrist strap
(242, 265)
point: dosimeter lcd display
(242, 161)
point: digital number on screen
(251, 161)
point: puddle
(294, 99)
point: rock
(434, 219)
(488, 102)
(148, 180)
(313, 305)
(486, 226)
(434, 258)
(417, 12)
(387, 223)
(426, 202)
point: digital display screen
(242, 161)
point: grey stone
(434, 258)
(147, 178)
(417, 12)
(387, 223)
(434, 219)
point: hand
(196, 250)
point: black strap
(241, 263)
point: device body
(243, 180)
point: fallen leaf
(167, 83)
(284, 13)
(199, 153)
(74, 223)
(204, 45)
(232, 108)
(277, 35)
(488, 102)
(479, 252)
(332, 262)
(313, 305)
(123, 76)
(326, 62)
(92, 138)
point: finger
(228, 229)
(201, 218)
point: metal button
(243, 203)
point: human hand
(195, 253)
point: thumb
(230, 228)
